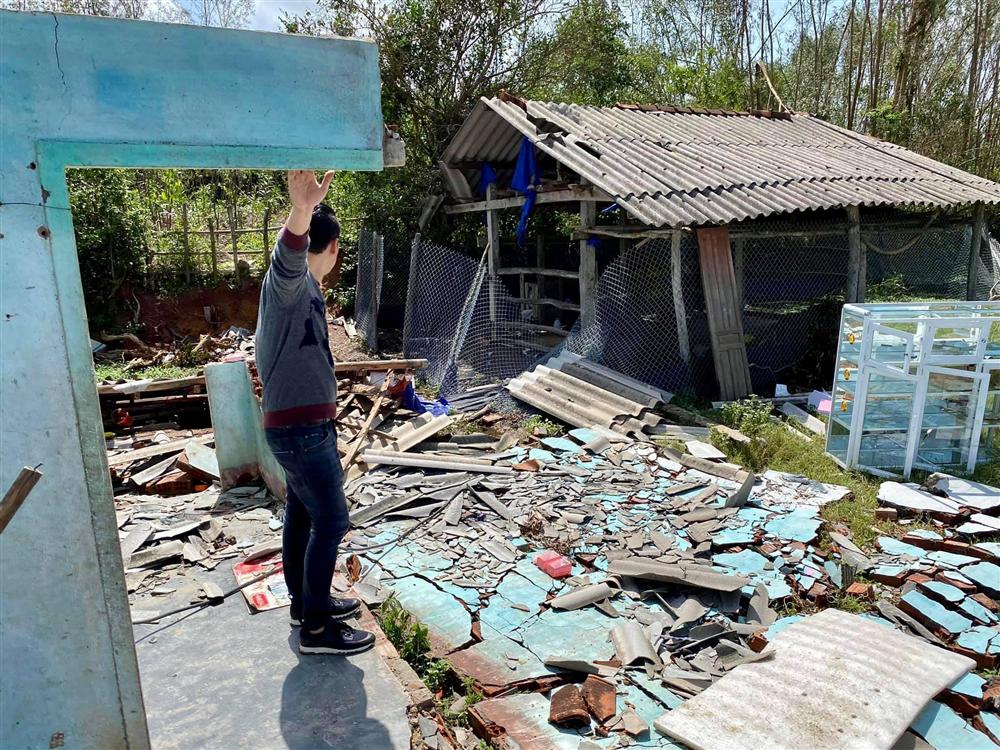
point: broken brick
(923, 542)
(600, 697)
(886, 514)
(965, 586)
(567, 709)
(986, 601)
(890, 579)
(818, 593)
(757, 642)
(918, 578)
(861, 591)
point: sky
(267, 11)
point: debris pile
(681, 566)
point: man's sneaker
(339, 609)
(335, 638)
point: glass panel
(946, 428)
(888, 410)
(989, 445)
(955, 341)
(993, 342)
(889, 347)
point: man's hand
(305, 194)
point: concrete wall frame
(88, 92)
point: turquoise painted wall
(102, 92)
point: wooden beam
(588, 267)
(569, 195)
(556, 272)
(725, 321)
(978, 229)
(677, 290)
(492, 247)
(855, 256)
(536, 327)
(559, 304)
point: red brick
(861, 591)
(567, 709)
(983, 599)
(600, 697)
(886, 514)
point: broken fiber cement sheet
(835, 681)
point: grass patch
(538, 425)
(776, 448)
(128, 371)
(410, 638)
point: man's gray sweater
(293, 347)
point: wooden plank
(676, 288)
(379, 365)
(17, 493)
(555, 272)
(174, 446)
(492, 248)
(725, 321)
(588, 268)
(978, 228)
(559, 304)
(157, 385)
(355, 446)
(853, 292)
(570, 195)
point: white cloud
(266, 12)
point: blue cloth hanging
(525, 180)
(487, 177)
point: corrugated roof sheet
(676, 166)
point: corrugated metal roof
(676, 167)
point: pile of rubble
(681, 567)
(604, 591)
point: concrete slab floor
(223, 678)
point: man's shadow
(324, 705)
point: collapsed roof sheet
(836, 680)
(677, 167)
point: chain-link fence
(441, 281)
(650, 321)
(368, 288)
(465, 323)
(650, 318)
(792, 283)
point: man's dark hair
(323, 228)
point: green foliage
(117, 371)
(890, 289)
(408, 636)
(436, 674)
(110, 230)
(536, 423)
(750, 415)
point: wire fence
(650, 319)
(368, 287)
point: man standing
(300, 403)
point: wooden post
(738, 269)
(492, 248)
(855, 256)
(588, 266)
(978, 229)
(680, 311)
(185, 234)
(232, 235)
(267, 239)
(411, 285)
(17, 493)
(725, 323)
(211, 244)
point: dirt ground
(166, 319)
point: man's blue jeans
(316, 517)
